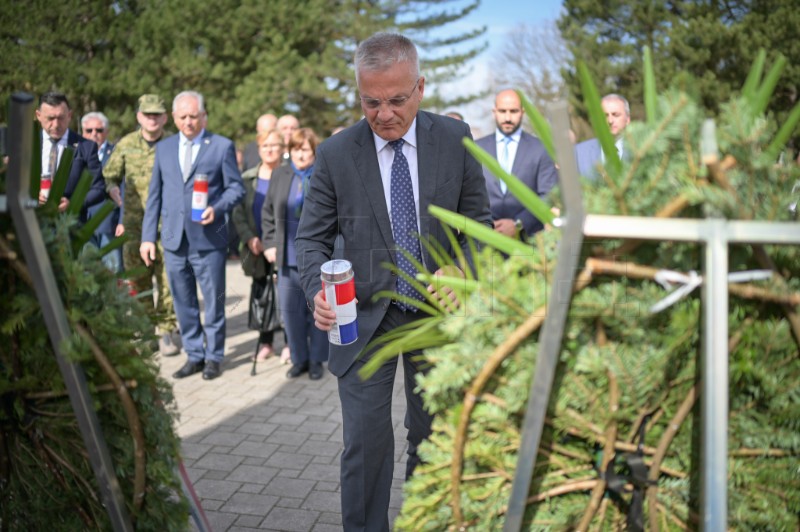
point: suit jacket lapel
(205, 146)
(366, 161)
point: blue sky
(500, 17)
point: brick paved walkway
(263, 451)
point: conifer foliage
(620, 447)
(46, 479)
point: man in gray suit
(369, 182)
(520, 154)
(618, 116)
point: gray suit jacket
(346, 197)
(533, 166)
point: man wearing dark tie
(94, 127)
(521, 154)
(588, 153)
(55, 114)
(372, 186)
(194, 251)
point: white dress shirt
(385, 159)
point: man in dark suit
(372, 186)
(55, 114)
(588, 153)
(194, 252)
(94, 127)
(521, 154)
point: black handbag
(264, 315)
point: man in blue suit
(524, 156)
(55, 114)
(588, 153)
(194, 252)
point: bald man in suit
(524, 156)
(372, 185)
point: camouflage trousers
(163, 309)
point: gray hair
(613, 96)
(384, 50)
(193, 94)
(96, 115)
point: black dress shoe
(315, 371)
(190, 368)
(296, 371)
(211, 371)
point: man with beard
(521, 154)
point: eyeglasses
(92, 130)
(394, 103)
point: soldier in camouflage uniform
(132, 163)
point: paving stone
(220, 462)
(287, 437)
(331, 518)
(255, 449)
(285, 418)
(289, 519)
(321, 472)
(288, 460)
(250, 521)
(324, 527)
(252, 474)
(216, 489)
(220, 521)
(224, 438)
(214, 474)
(318, 427)
(250, 427)
(249, 503)
(327, 486)
(253, 460)
(251, 488)
(323, 501)
(193, 450)
(288, 502)
(289, 487)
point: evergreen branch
(672, 208)
(754, 76)
(18, 266)
(129, 406)
(791, 314)
(661, 451)
(637, 271)
(608, 453)
(501, 352)
(772, 453)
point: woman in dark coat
(247, 218)
(280, 218)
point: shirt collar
(410, 137)
(196, 140)
(515, 136)
(61, 142)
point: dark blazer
(273, 213)
(85, 158)
(170, 199)
(108, 225)
(346, 197)
(245, 223)
(533, 166)
(587, 154)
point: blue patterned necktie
(404, 222)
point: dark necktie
(187, 160)
(52, 163)
(404, 222)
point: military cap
(151, 103)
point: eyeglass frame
(398, 102)
(94, 129)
